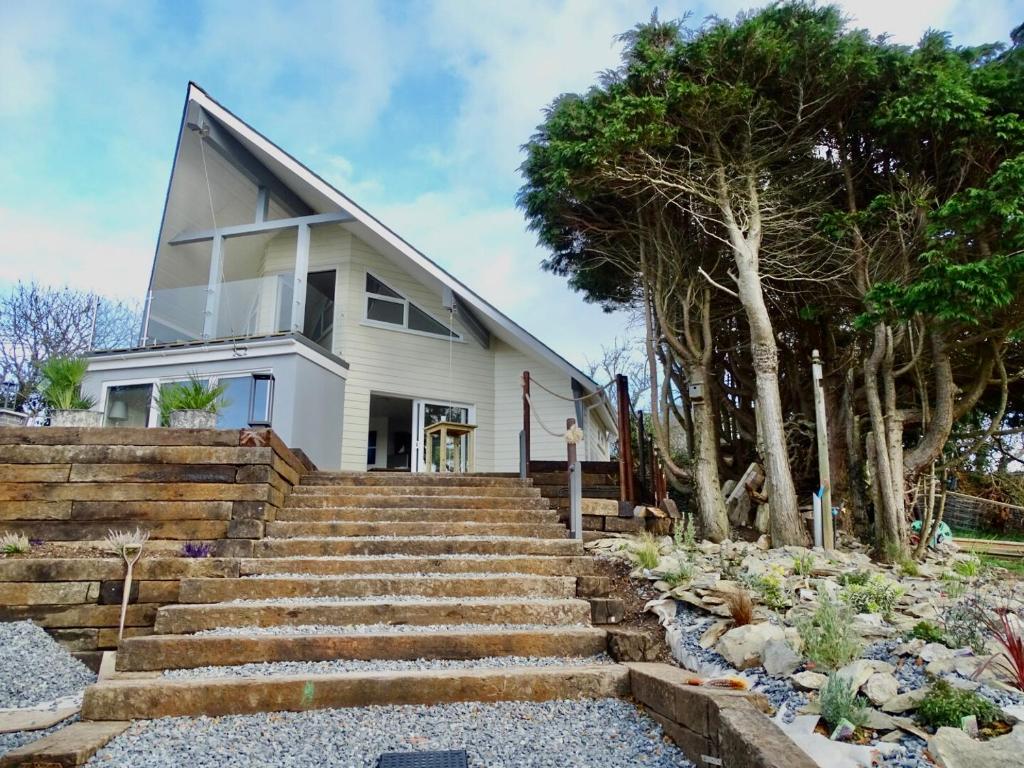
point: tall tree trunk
(707, 483)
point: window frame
(405, 303)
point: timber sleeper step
(414, 478)
(183, 619)
(488, 491)
(368, 585)
(374, 501)
(158, 652)
(216, 697)
(422, 545)
(414, 515)
(364, 528)
(525, 564)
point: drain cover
(452, 758)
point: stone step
(182, 619)
(372, 501)
(144, 699)
(488, 491)
(422, 545)
(157, 652)
(459, 585)
(414, 514)
(414, 478)
(541, 566)
(287, 530)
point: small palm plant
(128, 546)
(61, 387)
(196, 394)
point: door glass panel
(128, 406)
(433, 414)
(235, 413)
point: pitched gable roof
(322, 197)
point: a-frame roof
(321, 197)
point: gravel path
(274, 668)
(34, 669)
(603, 733)
(371, 629)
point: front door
(427, 412)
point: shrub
(908, 566)
(839, 701)
(61, 385)
(769, 589)
(196, 549)
(855, 578)
(929, 632)
(877, 595)
(803, 564)
(968, 568)
(944, 705)
(645, 550)
(963, 623)
(14, 544)
(828, 637)
(192, 395)
(741, 607)
(1008, 634)
(685, 533)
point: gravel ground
(34, 669)
(603, 733)
(370, 629)
(9, 741)
(375, 599)
(276, 668)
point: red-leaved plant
(1007, 632)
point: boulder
(933, 651)
(856, 672)
(904, 702)
(881, 687)
(809, 681)
(779, 659)
(952, 748)
(742, 646)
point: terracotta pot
(193, 420)
(76, 418)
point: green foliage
(684, 533)
(876, 595)
(855, 578)
(969, 567)
(678, 576)
(963, 623)
(839, 701)
(946, 706)
(928, 631)
(803, 564)
(14, 544)
(61, 384)
(770, 589)
(645, 550)
(828, 637)
(908, 566)
(192, 395)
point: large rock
(952, 748)
(856, 672)
(904, 702)
(881, 687)
(779, 659)
(742, 647)
(935, 651)
(809, 681)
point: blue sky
(415, 109)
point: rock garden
(903, 666)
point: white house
(324, 324)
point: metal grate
(453, 758)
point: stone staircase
(377, 588)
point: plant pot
(76, 418)
(9, 418)
(193, 420)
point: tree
(38, 322)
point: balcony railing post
(575, 486)
(522, 456)
(298, 319)
(525, 453)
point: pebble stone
(34, 669)
(339, 666)
(601, 733)
(372, 629)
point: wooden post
(575, 486)
(626, 490)
(641, 445)
(824, 473)
(526, 421)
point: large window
(248, 399)
(385, 306)
(128, 405)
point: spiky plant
(14, 544)
(741, 607)
(195, 394)
(1007, 632)
(61, 385)
(645, 550)
(128, 546)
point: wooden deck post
(526, 421)
(575, 486)
(626, 490)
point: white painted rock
(952, 748)
(881, 687)
(742, 646)
(779, 659)
(809, 681)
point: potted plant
(191, 404)
(61, 391)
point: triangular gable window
(388, 308)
